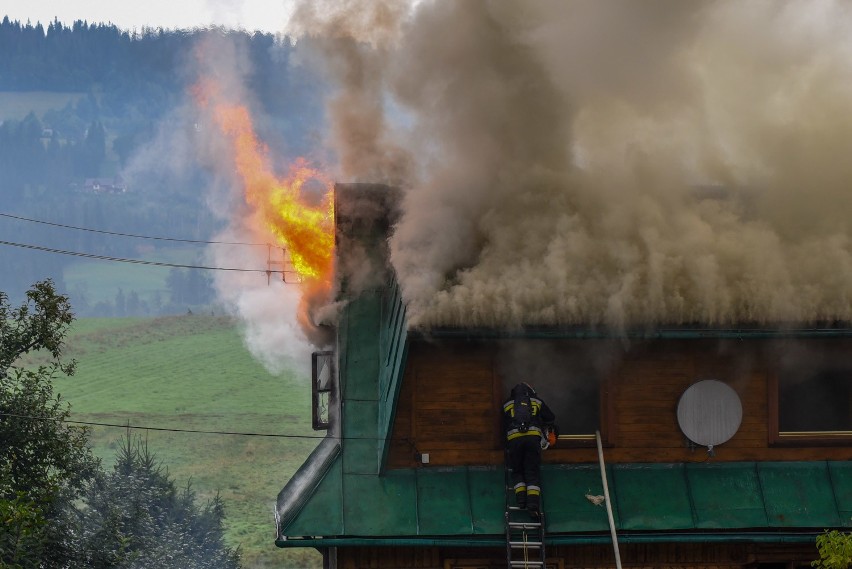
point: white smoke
(266, 306)
(188, 141)
(267, 313)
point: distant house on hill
(725, 448)
(105, 185)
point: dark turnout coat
(523, 446)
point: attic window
(322, 373)
(812, 404)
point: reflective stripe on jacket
(513, 434)
(509, 407)
(540, 416)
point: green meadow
(193, 372)
(18, 104)
(101, 281)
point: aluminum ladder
(524, 539)
(524, 534)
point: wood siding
(449, 404)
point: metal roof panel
(726, 495)
(380, 505)
(487, 499)
(323, 514)
(443, 502)
(798, 494)
(652, 496)
(564, 491)
(841, 482)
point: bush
(835, 550)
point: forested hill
(125, 81)
(79, 103)
(62, 58)
(139, 71)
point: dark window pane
(566, 374)
(814, 401)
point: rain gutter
(654, 334)
(574, 539)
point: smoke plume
(267, 307)
(604, 163)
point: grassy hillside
(17, 105)
(193, 372)
(101, 281)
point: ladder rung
(521, 525)
(525, 525)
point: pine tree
(136, 517)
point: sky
(265, 15)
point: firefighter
(525, 417)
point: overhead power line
(20, 218)
(127, 425)
(166, 429)
(171, 430)
(140, 261)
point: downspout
(307, 478)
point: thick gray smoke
(614, 163)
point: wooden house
(410, 474)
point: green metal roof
(743, 501)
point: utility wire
(166, 429)
(127, 234)
(138, 261)
(204, 432)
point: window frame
(778, 438)
(317, 421)
(605, 416)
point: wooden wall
(449, 404)
(633, 556)
(448, 407)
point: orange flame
(306, 231)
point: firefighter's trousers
(524, 460)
